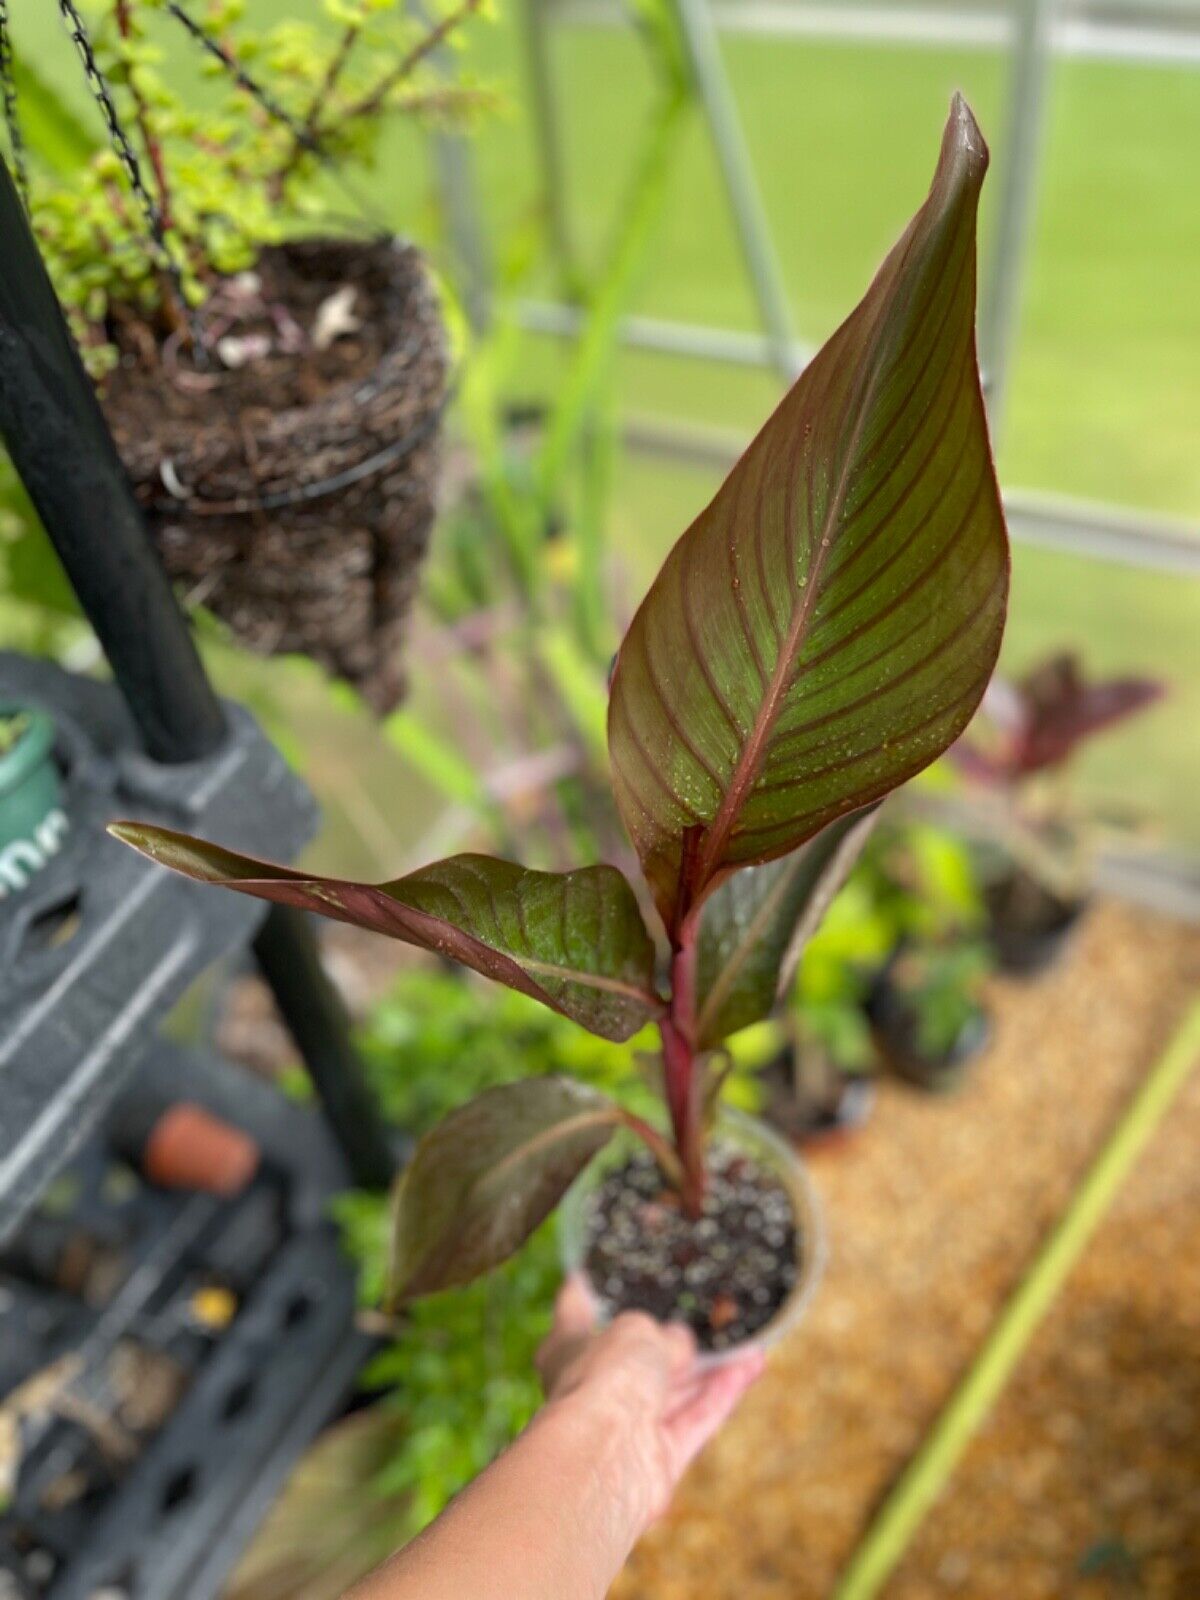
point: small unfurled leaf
(573, 940)
(487, 1175)
(756, 923)
(826, 627)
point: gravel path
(933, 1212)
(1085, 1482)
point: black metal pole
(317, 1019)
(64, 453)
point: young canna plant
(1038, 843)
(1036, 724)
(823, 630)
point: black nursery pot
(1029, 928)
(830, 1105)
(740, 1276)
(895, 1028)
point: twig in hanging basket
(242, 78)
(373, 102)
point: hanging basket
(294, 495)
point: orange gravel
(1085, 1482)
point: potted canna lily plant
(1016, 756)
(822, 631)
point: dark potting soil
(290, 371)
(726, 1274)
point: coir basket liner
(294, 495)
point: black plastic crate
(168, 1522)
(102, 943)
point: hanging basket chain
(242, 78)
(8, 88)
(128, 158)
(306, 138)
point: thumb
(574, 1309)
(574, 1321)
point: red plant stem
(333, 72)
(659, 1147)
(681, 1080)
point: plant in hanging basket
(276, 395)
(1017, 756)
(822, 631)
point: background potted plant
(924, 999)
(1017, 754)
(927, 1012)
(276, 392)
(32, 821)
(822, 631)
(819, 1081)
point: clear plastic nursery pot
(32, 821)
(746, 1136)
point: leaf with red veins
(827, 626)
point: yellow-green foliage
(226, 175)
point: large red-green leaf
(755, 924)
(826, 627)
(574, 940)
(487, 1175)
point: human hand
(639, 1379)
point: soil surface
(289, 368)
(725, 1274)
(934, 1211)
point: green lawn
(1104, 399)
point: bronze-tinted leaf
(755, 924)
(487, 1175)
(574, 940)
(826, 627)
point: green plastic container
(33, 823)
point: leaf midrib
(591, 980)
(548, 1136)
(530, 964)
(435, 1259)
(749, 761)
